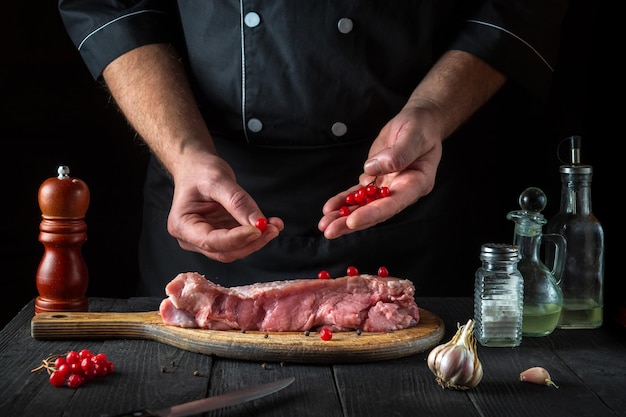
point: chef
(279, 109)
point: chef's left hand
(404, 157)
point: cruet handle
(560, 248)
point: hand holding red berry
(261, 224)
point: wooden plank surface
(344, 347)
(587, 364)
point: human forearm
(454, 89)
(210, 213)
(406, 154)
(149, 86)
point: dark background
(54, 113)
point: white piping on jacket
(243, 72)
(80, 45)
(516, 37)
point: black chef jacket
(294, 92)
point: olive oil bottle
(582, 280)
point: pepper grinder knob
(62, 276)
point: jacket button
(345, 25)
(252, 19)
(339, 129)
(255, 125)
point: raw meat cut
(365, 302)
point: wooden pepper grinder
(62, 276)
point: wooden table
(589, 366)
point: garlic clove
(537, 375)
(455, 364)
(456, 360)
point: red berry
(100, 369)
(72, 357)
(75, 368)
(100, 358)
(59, 361)
(64, 369)
(110, 367)
(75, 381)
(88, 366)
(359, 195)
(85, 353)
(371, 189)
(261, 224)
(382, 272)
(384, 191)
(326, 334)
(350, 199)
(323, 275)
(57, 378)
(344, 211)
(352, 271)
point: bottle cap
(573, 166)
(499, 252)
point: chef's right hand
(404, 157)
(212, 215)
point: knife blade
(212, 403)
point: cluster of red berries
(353, 271)
(363, 196)
(73, 369)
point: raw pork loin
(365, 302)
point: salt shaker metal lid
(499, 252)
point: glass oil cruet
(543, 298)
(582, 281)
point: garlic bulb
(456, 364)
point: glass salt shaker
(498, 296)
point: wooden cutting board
(344, 347)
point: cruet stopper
(529, 221)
